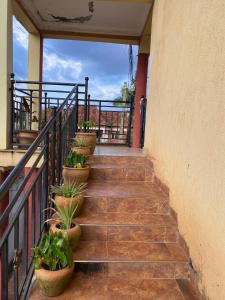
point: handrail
(18, 168)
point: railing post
(130, 122)
(99, 121)
(86, 100)
(53, 148)
(88, 116)
(12, 109)
(59, 149)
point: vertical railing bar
(16, 259)
(25, 237)
(4, 271)
(33, 219)
(99, 121)
(31, 108)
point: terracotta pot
(62, 202)
(75, 175)
(83, 150)
(53, 283)
(74, 233)
(26, 137)
(87, 137)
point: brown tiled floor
(129, 246)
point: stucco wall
(185, 130)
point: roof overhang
(118, 21)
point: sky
(105, 64)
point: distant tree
(126, 96)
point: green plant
(87, 126)
(63, 216)
(69, 190)
(54, 253)
(75, 160)
(79, 143)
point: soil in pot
(75, 175)
(87, 137)
(53, 283)
(74, 233)
(62, 202)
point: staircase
(130, 246)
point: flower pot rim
(86, 133)
(70, 168)
(79, 147)
(80, 195)
(27, 131)
(56, 271)
(66, 230)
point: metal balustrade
(22, 221)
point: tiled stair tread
(124, 189)
(126, 218)
(98, 287)
(157, 234)
(129, 251)
(151, 204)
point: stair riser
(123, 174)
(118, 160)
(130, 233)
(141, 270)
(125, 205)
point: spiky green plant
(69, 190)
(63, 216)
(87, 126)
(75, 160)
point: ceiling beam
(96, 37)
(23, 17)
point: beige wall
(186, 126)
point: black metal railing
(32, 104)
(113, 120)
(22, 222)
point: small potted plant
(53, 263)
(87, 134)
(62, 221)
(81, 146)
(75, 168)
(25, 137)
(69, 193)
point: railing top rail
(19, 167)
(47, 83)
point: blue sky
(105, 64)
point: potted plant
(75, 168)
(87, 134)
(25, 137)
(53, 263)
(81, 146)
(69, 193)
(62, 221)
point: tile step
(96, 286)
(129, 251)
(125, 219)
(122, 173)
(123, 233)
(112, 204)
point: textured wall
(186, 126)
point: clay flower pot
(26, 137)
(75, 175)
(74, 233)
(62, 202)
(53, 283)
(87, 137)
(83, 150)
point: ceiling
(109, 17)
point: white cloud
(99, 89)
(20, 34)
(58, 68)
